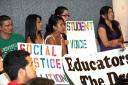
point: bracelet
(1, 72)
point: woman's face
(39, 24)
(110, 15)
(60, 26)
(65, 15)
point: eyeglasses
(66, 15)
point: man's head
(18, 66)
(6, 24)
(40, 81)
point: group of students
(55, 31)
(17, 63)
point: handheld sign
(47, 60)
(81, 37)
(102, 68)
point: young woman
(63, 12)
(33, 28)
(109, 31)
(53, 34)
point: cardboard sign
(98, 69)
(81, 37)
(47, 60)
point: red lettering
(58, 63)
(22, 46)
(53, 54)
(58, 77)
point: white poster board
(81, 37)
(97, 69)
(47, 60)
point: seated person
(109, 31)
(63, 12)
(8, 39)
(53, 34)
(18, 65)
(33, 29)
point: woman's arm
(104, 39)
(63, 43)
(121, 39)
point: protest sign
(81, 37)
(48, 61)
(97, 69)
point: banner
(47, 60)
(81, 37)
(97, 69)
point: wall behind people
(120, 8)
(18, 10)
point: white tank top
(49, 36)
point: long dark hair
(53, 20)
(115, 24)
(30, 27)
(104, 12)
(59, 10)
